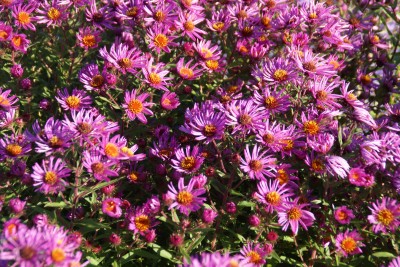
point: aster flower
(220, 21)
(213, 65)
(349, 96)
(162, 13)
(136, 106)
(19, 42)
(395, 262)
(48, 176)
(100, 18)
(256, 164)
(205, 51)
(125, 59)
(160, 39)
(130, 11)
(186, 71)
(88, 38)
(7, 118)
(6, 32)
(244, 115)
(240, 11)
(22, 16)
(271, 136)
(272, 194)
(363, 115)
(155, 76)
(343, 215)
(273, 101)
(284, 175)
(187, 160)
(98, 165)
(139, 220)
(385, 215)
(92, 78)
(357, 176)
(187, 24)
(12, 226)
(253, 254)
(14, 146)
(322, 93)
(6, 100)
(321, 143)
(77, 100)
(313, 65)
(276, 71)
(51, 14)
(165, 147)
(349, 243)
(169, 101)
(112, 207)
(215, 259)
(292, 214)
(186, 198)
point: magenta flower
(272, 101)
(92, 78)
(343, 215)
(98, 166)
(206, 52)
(292, 214)
(186, 198)
(272, 194)
(187, 161)
(77, 100)
(169, 101)
(112, 207)
(272, 136)
(313, 64)
(20, 43)
(48, 176)
(276, 71)
(220, 21)
(385, 215)
(136, 106)
(256, 164)
(253, 254)
(322, 92)
(357, 176)
(100, 17)
(14, 146)
(245, 116)
(160, 40)
(6, 32)
(7, 101)
(139, 220)
(88, 38)
(162, 13)
(349, 243)
(51, 14)
(186, 71)
(321, 143)
(187, 24)
(23, 17)
(155, 76)
(122, 57)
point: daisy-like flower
(19, 42)
(357, 176)
(205, 51)
(186, 71)
(165, 147)
(163, 13)
(336, 165)
(322, 93)
(220, 21)
(112, 207)
(7, 118)
(272, 136)
(136, 106)
(169, 101)
(186, 198)
(187, 161)
(349, 96)
(272, 101)
(14, 146)
(100, 18)
(292, 214)
(277, 71)
(60, 249)
(125, 59)
(6, 100)
(139, 220)
(313, 65)
(160, 40)
(51, 14)
(240, 11)
(88, 38)
(272, 194)
(187, 24)
(253, 254)
(48, 176)
(77, 100)
(92, 78)
(321, 143)
(349, 243)
(155, 76)
(244, 115)
(5, 32)
(385, 215)
(23, 17)
(98, 165)
(284, 175)
(213, 65)
(343, 215)
(257, 164)
(130, 10)
(395, 262)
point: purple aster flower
(240, 11)
(139, 221)
(131, 10)
(216, 259)
(7, 118)
(7, 101)
(77, 100)
(136, 106)
(208, 216)
(112, 207)
(343, 215)
(205, 51)
(363, 115)
(357, 176)
(244, 115)
(163, 13)
(16, 205)
(187, 161)
(12, 226)
(51, 14)
(321, 143)
(395, 262)
(272, 194)
(257, 164)
(313, 65)
(253, 254)
(271, 136)
(187, 24)
(220, 21)
(160, 39)
(186, 71)
(14, 146)
(284, 175)
(6, 32)
(273, 101)
(186, 198)
(92, 78)
(165, 147)
(48, 176)
(169, 101)
(349, 243)
(385, 215)
(23, 17)
(20, 43)
(100, 18)
(88, 38)
(292, 214)
(98, 165)
(322, 93)
(122, 57)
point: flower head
(292, 214)
(187, 160)
(256, 164)
(349, 243)
(112, 207)
(385, 215)
(343, 215)
(136, 106)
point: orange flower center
(133, 176)
(89, 40)
(50, 178)
(212, 64)
(270, 4)
(27, 252)
(266, 21)
(294, 213)
(161, 40)
(135, 106)
(312, 15)
(245, 119)
(125, 63)
(289, 143)
(322, 95)
(282, 176)
(13, 150)
(348, 244)
(310, 66)
(3, 34)
(311, 127)
(154, 78)
(111, 150)
(132, 12)
(242, 14)
(58, 255)
(23, 18)
(97, 81)
(209, 130)
(271, 102)
(188, 163)
(184, 198)
(188, 25)
(365, 79)
(84, 128)
(17, 41)
(218, 26)
(97, 167)
(255, 165)
(186, 73)
(159, 16)
(73, 102)
(385, 217)
(317, 165)
(254, 257)
(342, 215)
(206, 53)
(142, 223)
(53, 13)
(335, 64)
(280, 75)
(268, 138)
(55, 142)
(273, 198)
(110, 206)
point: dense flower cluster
(243, 133)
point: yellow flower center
(335, 64)
(206, 53)
(385, 217)
(184, 198)
(50, 178)
(111, 150)
(142, 223)
(97, 168)
(4, 101)
(186, 73)
(317, 165)
(188, 25)
(209, 130)
(348, 244)
(273, 198)
(268, 138)
(17, 41)
(311, 127)
(254, 257)
(232, 89)
(271, 102)
(13, 150)
(313, 15)
(89, 40)
(27, 252)
(111, 206)
(365, 79)
(188, 163)
(212, 64)
(242, 14)
(132, 12)
(161, 40)
(282, 176)
(97, 81)
(342, 215)
(375, 39)
(218, 26)
(53, 13)
(322, 95)
(255, 165)
(247, 31)
(127, 151)
(266, 21)
(58, 255)
(133, 176)
(55, 142)
(159, 16)
(125, 63)
(3, 34)
(73, 102)
(280, 75)
(351, 97)
(245, 119)
(23, 17)
(84, 128)
(289, 144)
(135, 106)
(294, 213)
(310, 66)
(154, 78)
(354, 21)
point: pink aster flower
(92, 78)
(276, 71)
(51, 14)
(343, 215)
(257, 164)
(187, 161)
(6, 32)
(253, 254)
(155, 76)
(14, 146)
(100, 17)
(313, 65)
(160, 40)
(6, 100)
(136, 106)
(385, 215)
(349, 96)
(112, 207)
(169, 101)
(321, 143)
(77, 100)
(205, 51)
(125, 59)
(272, 194)
(273, 101)
(98, 165)
(322, 93)
(139, 220)
(187, 24)
(244, 116)
(220, 21)
(292, 214)
(163, 13)
(357, 176)
(23, 17)
(48, 176)
(88, 38)
(272, 136)
(20, 43)
(349, 243)
(395, 262)
(186, 71)
(186, 198)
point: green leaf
(383, 254)
(246, 204)
(95, 261)
(61, 204)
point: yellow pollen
(266, 21)
(335, 64)
(312, 15)
(247, 31)
(110, 206)
(133, 176)
(55, 142)
(310, 66)
(4, 101)
(184, 198)
(289, 143)
(125, 63)
(142, 223)
(294, 214)
(255, 165)
(351, 97)
(271, 102)
(233, 263)
(311, 127)
(3, 34)
(322, 95)
(23, 18)
(206, 53)
(245, 119)
(50, 178)
(166, 102)
(159, 16)
(218, 26)
(242, 14)
(348, 244)
(186, 73)
(154, 79)
(232, 89)
(13, 150)
(132, 12)
(161, 40)
(188, 25)
(365, 79)
(97, 81)
(209, 130)
(27, 252)
(385, 217)
(17, 41)
(375, 39)
(280, 75)
(84, 128)
(97, 168)
(188, 163)
(135, 106)
(212, 64)
(111, 150)
(254, 257)
(282, 176)
(268, 138)
(273, 198)
(53, 13)
(225, 98)
(317, 165)
(58, 255)
(243, 49)
(342, 215)
(89, 40)
(73, 102)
